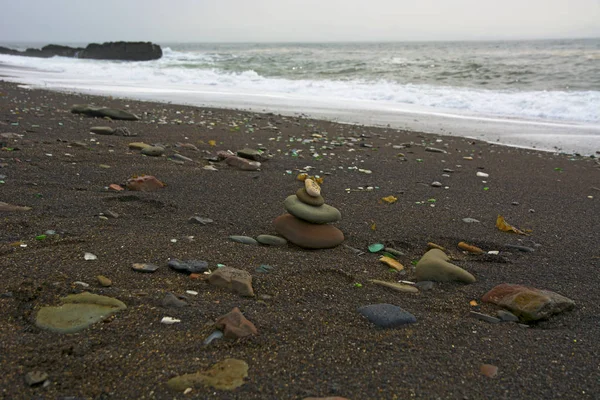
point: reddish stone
(528, 303)
(144, 183)
(306, 235)
(488, 370)
(115, 187)
(234, 325)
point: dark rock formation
(126, 51)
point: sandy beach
(311, 340)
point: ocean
(539, 94)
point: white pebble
(192, 292)
(482, 175)
(81, 283)
(89, 256)
(494, 252)
(169, 321)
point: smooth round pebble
(143, 267)
(191, 266)
(387, 315)
(243, 239)
(271, 240)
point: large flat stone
(306, 235)
(528, 303)
(316, 215)
(79, 311)
(225, 375)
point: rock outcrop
(126, 51)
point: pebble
(507, 316)
(243, 239)
(482, 175)
(448, 170)
(144, 183)
(484, 317)
(425, 286)
(110, 214)
(307, 235)
(103, 281)
(215, 335)
(488, 370)
(524, 249)
(153, 151)
(234, 325)
(528, 303)
(180, 157)
(316, 215)
(398, 287)
(434, 266)
(34, 378)
(304, 197)
(271, 240)
(80, 283)
(200, 220)
(470, 220)
(102, 130)
(236, 280)
(387, 315)
(169, 321)
(395, 252)
(143, 267)
(137, 145)
(312, 188)
(436, 184)
(191, 266)
(172, 301)
(434, 150)
(192, 292)
(89, 257)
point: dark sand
(312, 341)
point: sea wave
(197, 70)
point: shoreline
(311, 340)
(551, 136)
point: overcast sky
(61, 21)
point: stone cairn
(307, 222)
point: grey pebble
(387, 315)
(200, 220)
(243, 239)
(436, 184)
(180, 157)
(271, 240)
(153, 151)
(520, 248)
(434, 150)
(507, 316)
(110, 214)
(172, 301)
(425, 286)
(393, 251)
(191, 266)
(484, 317)
(35, 378)
(470, 220)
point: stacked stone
(307, 224)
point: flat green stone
(79, 311)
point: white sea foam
(543, 119)
(171, 70)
